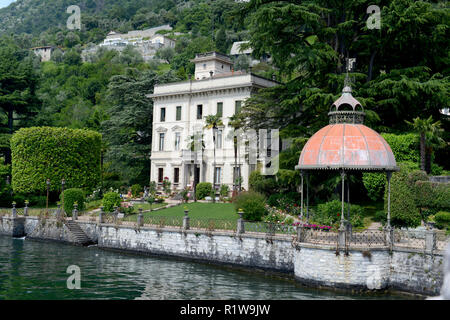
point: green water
(37, 270)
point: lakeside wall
(406, 270)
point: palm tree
(430, 136)
(213, 121)
(236, 123)
(195, 141)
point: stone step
(78, 233)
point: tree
(18, 101)
(166, 54)
(309, 42)
(221, 41)
(213, 121)
(128, 131)
(430, 137)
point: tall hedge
(405, 148)
(41, 153)
(404, 212)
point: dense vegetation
(401, 76)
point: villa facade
(179, 113)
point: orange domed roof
(347, 146)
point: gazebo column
(342, 228)
(388, 229)
(307, 198)
(301, 195)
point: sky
(5, 3)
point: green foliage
(41, 153)
(262, 184)
(404, 212)
(442, 219)
(136, 189)
(111, 200)
(224, 190)
(38, 201)
(253, 205)
(329, 213)
(203, 189)
(281, 200)
(432, 195)
(375, 184)
(404, 146)
(70, 197)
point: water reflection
(37, 270)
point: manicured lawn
(221, 211)
(201, 210)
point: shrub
(70, 197)
(203, 190)
(41, 153)
(111, 200)
(136, 189)
(224, 190)
(374, 184)
(252, 203)
(262, 184)
(442, 219)
(282, 199)
(380, 216)
(19, 199)
(330, 213)
(404, 212)
(38, 201)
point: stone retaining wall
(319, 265)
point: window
(219, 109)
(176, 175)
(237, 106)
(163, 114)
(161, 142)
(219, 139)
(236, 174)
(217, 175)
(160, 175)
(177, 141)
(178, 113)
(199, 111)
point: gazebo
(346, 145)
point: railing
(428, 241)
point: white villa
(179, 112)
(147, 42)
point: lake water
(37, 270)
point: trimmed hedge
(404, 212)
(203, 189)
(406, 149)
(41, 153)
(252, 203)
(404, 146)
(432, 195)
(70, 197)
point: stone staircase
(79, 236)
